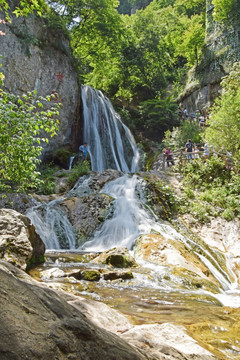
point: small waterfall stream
(111, 144)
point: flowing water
(110, 143)
(155, 294)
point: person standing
(185, 113)
(196, 152)
(169, 157)
(206, 151)
(189, 149)
(83, 150)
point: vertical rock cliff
(220, 52)
(36, 55)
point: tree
(24, 125)
(23, 7)
(224, 124)
(159, 116)
(225, 9)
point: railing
(182, 156)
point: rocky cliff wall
(220, 52)
(38, 57)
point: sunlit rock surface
(38, 323)
(19, 242)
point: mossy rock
(90, 275)
(119, 261)
(116, 257)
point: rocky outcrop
(159, 341)
(37, 56)
(37, 323)
(86, 214)
(19, 242)
(220, 52)
(16, 201)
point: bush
(25, 122)
(77, 171)
(209, 189)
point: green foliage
(209, 189)
(23, 121)
(225, 10)
(27, 7)
(178, 137)
(159, 115)
(190, 7)
(47, 185)
(224, 124)
(78, 170)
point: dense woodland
(139, 54)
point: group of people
(192, 152)
(194, 116)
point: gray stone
(38, 57)
(19, 242)
(36, 323)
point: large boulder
(37, 323)
(118, 257)
(19, 242)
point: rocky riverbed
(173, 295)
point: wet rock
(77, 275)
(90, 275)
(47, 327)
(86, 213)
(222, 236)
(185, 266)
(53, 273)
(100, 179)
(114, 275)
(19, 242)
(160, 196)
(117, 257)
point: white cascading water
(110, 143)
(130, 217)
(53, 226)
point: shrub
(77, 171)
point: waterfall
(110, 143)
(53, 226)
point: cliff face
(220, 52)
(38, 57)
